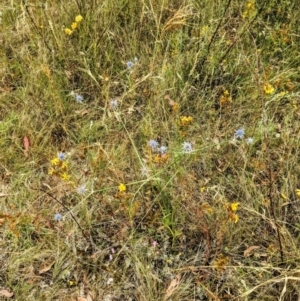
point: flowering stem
(88, 239)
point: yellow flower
(204, 29)
(78, 18)
(74, 25)
(268, 89)
(250, 5)
(64, 165)
(297, 192)
(55, 161)
(122, 187)
(68, 31)
(221, 262)
(202, 189)
(185, 120)
(65, 176)
(51, 171)
(207, 209)
(234, 206)
(234, 218)
(231, 209)
(283, 196)
(281, 94)
(225, 99)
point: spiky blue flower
(81, 189)
(162, 149)
(129, 64)
(113, 104)
(153, 144)
(187, 147)
(61, 156)
(250, 140)
(58, 217)
(79, 98)
(240, 133)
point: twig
(273, 208)
(37, 29)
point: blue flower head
(162, 149)
(79, 98)
(81, 189)
(113, 104)
(58, 217)
(187, 147)
(61, 156)
(129, 64)
(153, 144)
(240, 133)
(250, 140)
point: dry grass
(210, 217)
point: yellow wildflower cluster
(268, 88)
(59, 167)
(249, 10)
(282, 34)
(225, 99)
(231, 209)
(186, 120)
(74, 25)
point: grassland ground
(149, 150)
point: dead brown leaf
(82, 299)
(172, 287)
(26, 146)
(46, 268)
(248, 251)
(84, 112)
(89, 298)
(6, 293)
